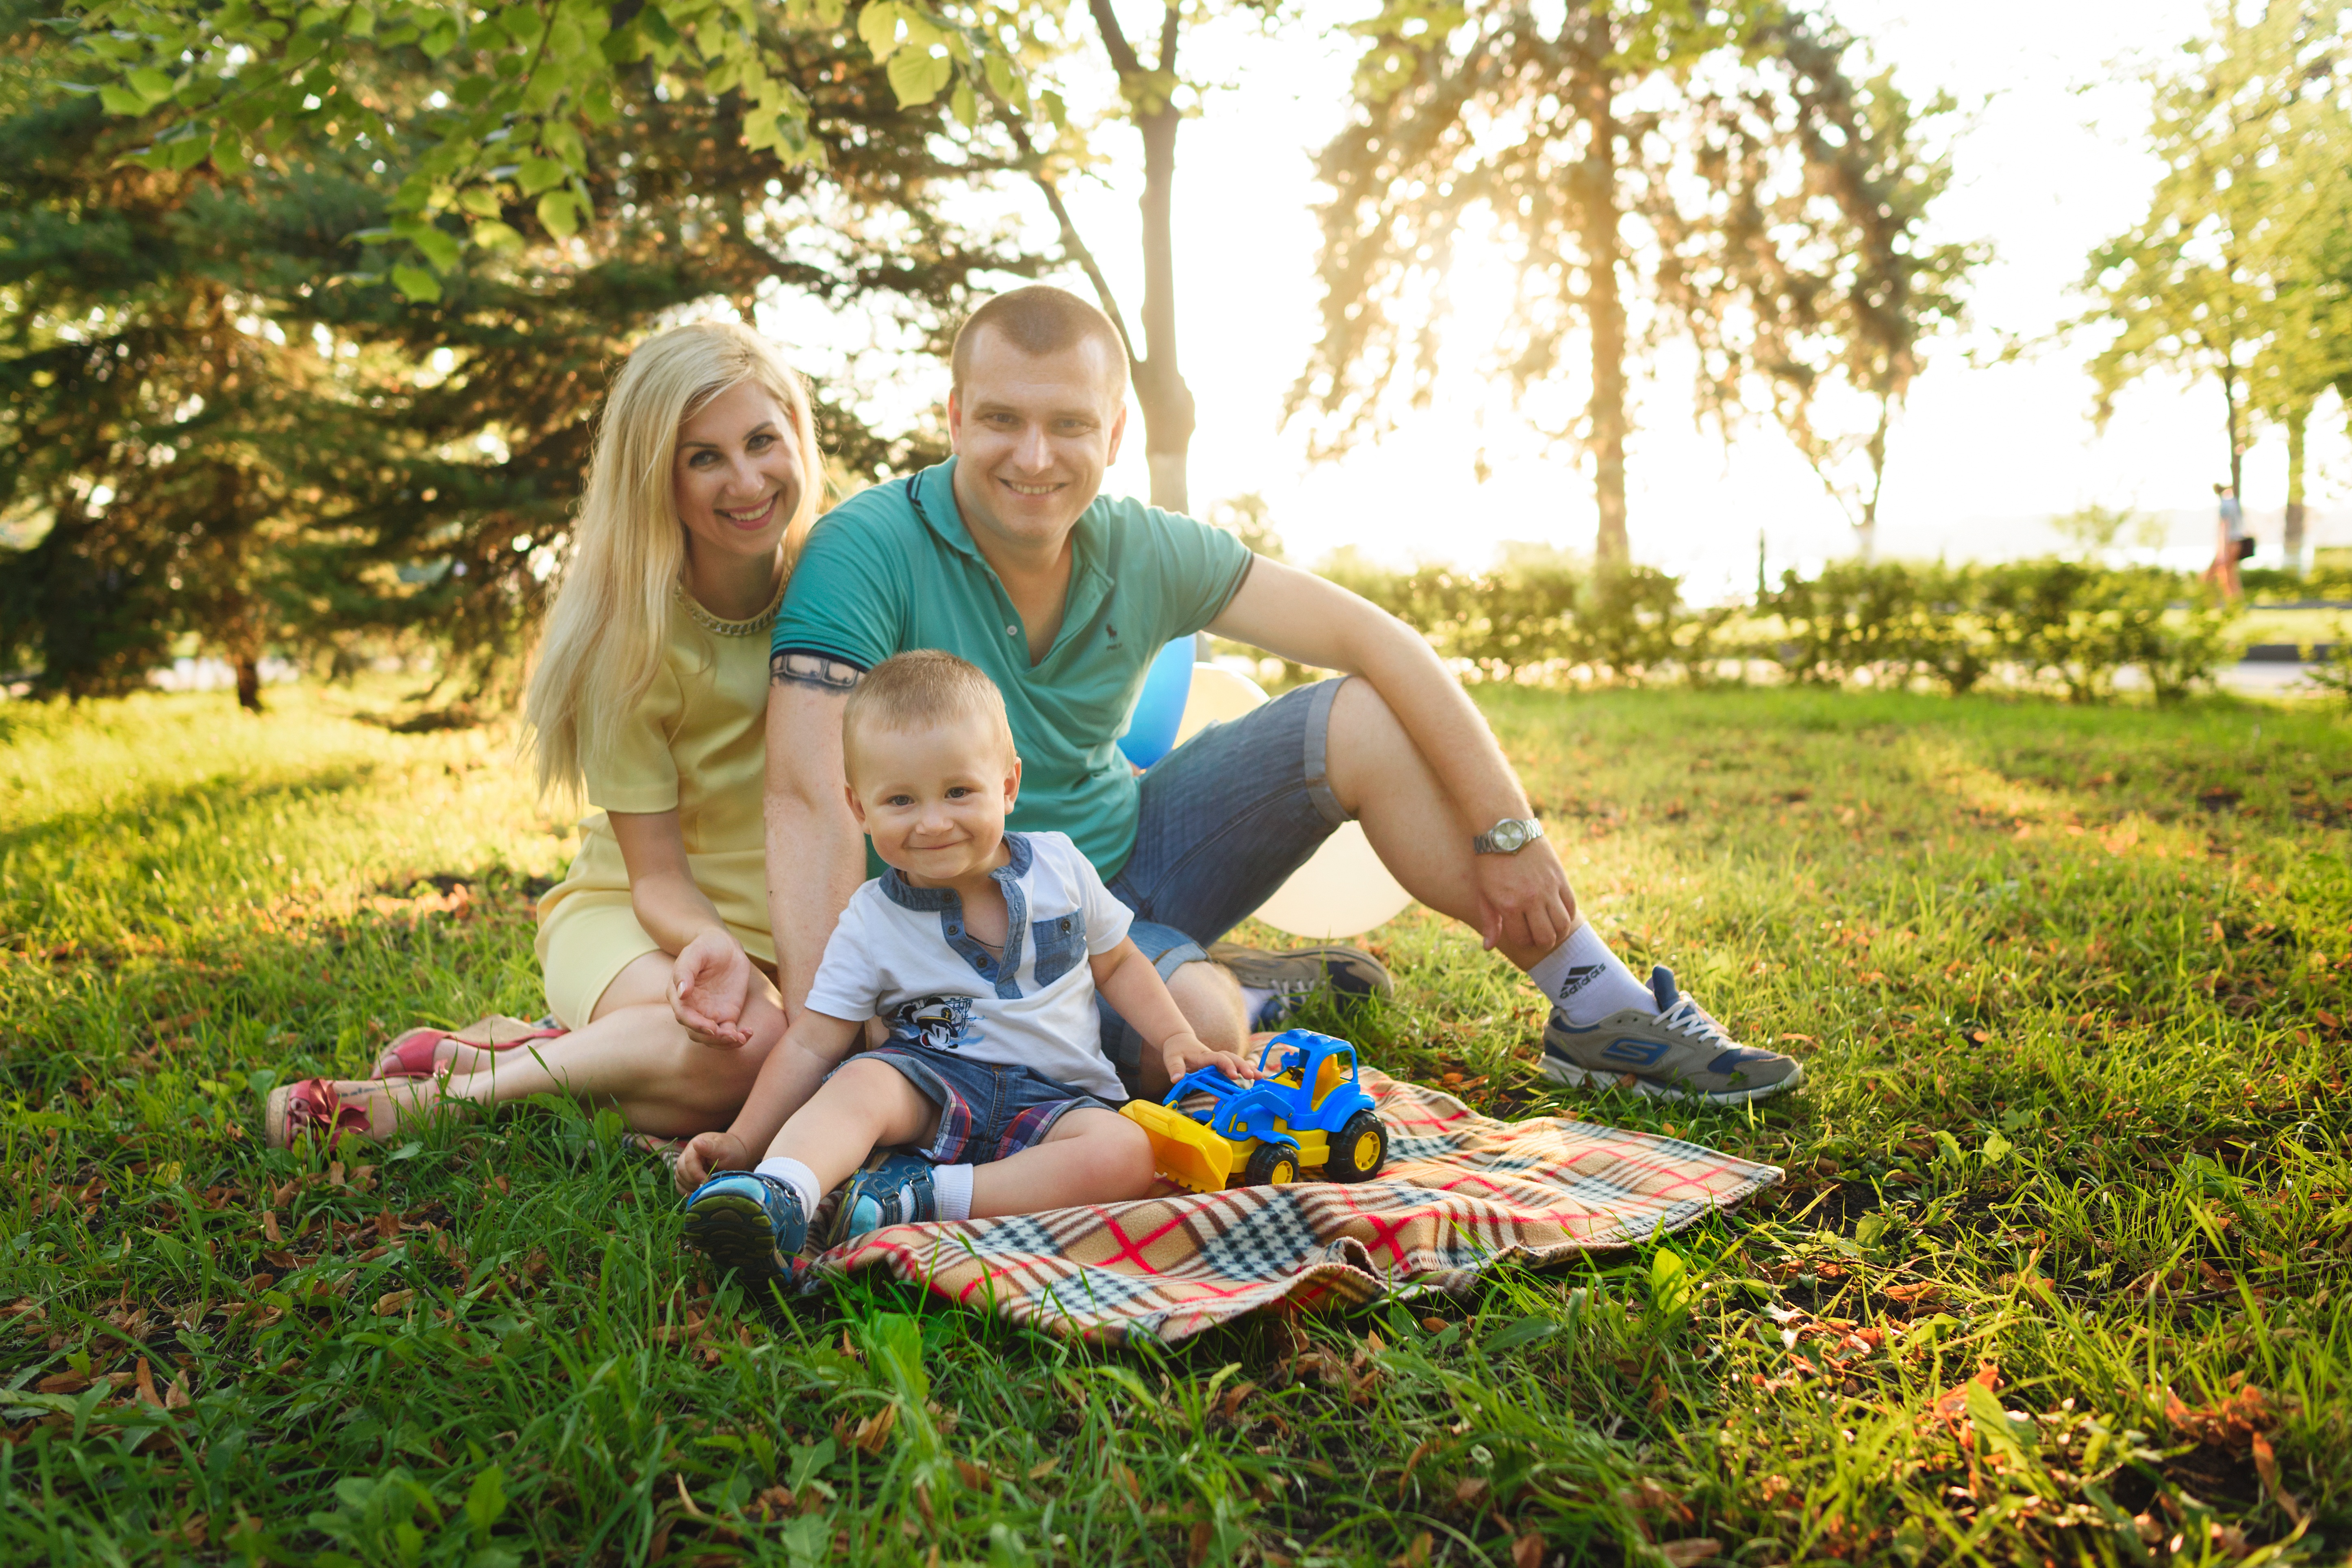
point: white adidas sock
(1588, 982)
(796, 1175)
(951, 1191)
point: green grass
(2071, 987)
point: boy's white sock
(1588, 982)
(951, 1191)
(1253, 1003)
(796, 1175)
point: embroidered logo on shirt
(933, 1022)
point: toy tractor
(1306, 1113)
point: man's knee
(1211, 1000)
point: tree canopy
(1649, 168)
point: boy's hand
(1184, 1052)
(707, 986)
(705, 1155)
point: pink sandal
(416, 1053)
(296, 1110)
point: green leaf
(187, 152)
(479, 200)
(440, 41)
(121, 100)
(151, 83)
(1992, 1424)
(1948, 1145)
(1670, 1285)
(878, 26)
(558, 214)
(917, 79)
(439, 247)
(1519, 1331)
(964, 106)
(360, 22)
(486, 1500)
(562, 141)
(1003, 81)
(1997, 1148)
(1872, 1227)
(539, 174)
(408, 1150)
(416, 283)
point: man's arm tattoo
(793, 667)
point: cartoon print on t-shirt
(933, 1022)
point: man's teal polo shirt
(894, 568)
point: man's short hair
(923, 689)
(1039, 319)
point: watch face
(1510, 836)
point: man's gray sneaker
(1675, 1053)
(1349, 974)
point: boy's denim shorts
(987, 1111)
(1227, 817)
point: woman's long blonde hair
(603, 648)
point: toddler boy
(982, 951)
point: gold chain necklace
(712, 624)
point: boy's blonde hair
(614, 606)
(923, 689)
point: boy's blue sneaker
(747, 1225)
(896, 1189)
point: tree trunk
(2236, 448)
(1159, 389)
(1868, 527)
(1604, 303)
(2293, 543)
(248, 683)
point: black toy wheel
(1358, 1149)
(1271, 1165)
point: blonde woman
(649, 696)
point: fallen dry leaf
(2266, 1465)
(979, 1477)
(1528, 1552)
(1469, 1490)
(146, 1376)
(1416, 1554)
(391, 1303)
(1697, 1549)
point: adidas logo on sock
(1577, 978)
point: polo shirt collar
(933, 494)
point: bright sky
(2048, 165)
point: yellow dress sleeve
(640, 772)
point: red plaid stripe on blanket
(1460, 1193)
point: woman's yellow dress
(698, 747)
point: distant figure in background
(2232, 544)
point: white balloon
(1216, 696)
(1343, 890)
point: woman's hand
(1185, 1052)
(706, 1154)
(707, 986)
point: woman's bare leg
(631, 1055)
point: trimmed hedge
(2035, 625)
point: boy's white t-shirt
(901, 952)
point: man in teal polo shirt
(1010, 556)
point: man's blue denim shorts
(1227, 817)
(987, 1111)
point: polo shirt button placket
(1013, 631)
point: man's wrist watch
(1508, 836)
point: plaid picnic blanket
(1461, 1193)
